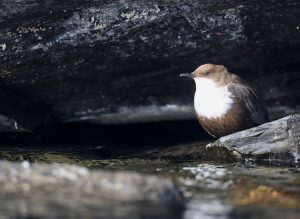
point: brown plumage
(246, 108)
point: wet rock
(41, 190)
(118, 61)
(248, 193)
(275, 142)
(98, 184)
(12, 132)
(8, 125)
(196, 151)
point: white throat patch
(210, 100)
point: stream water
(210, 190)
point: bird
(224, 102)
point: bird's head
(209, 71)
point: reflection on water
(206, 208)
(210, 191)
(238, 191)
(208, 176)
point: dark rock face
(118, 61)
(276, 141)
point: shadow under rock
(124, 137)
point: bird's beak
(189, 75)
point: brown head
(209, 71)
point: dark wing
(253, 103)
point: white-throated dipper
(224, 102)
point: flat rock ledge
(275, 142)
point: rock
(71, 179)
(12, 132)
(118, 61)
(22, 110)
(196, 151)
(51, 190)
(8, 125)
(275, 142)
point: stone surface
(65, 191)
(276, 141)
(210, 191)
(196, 151)
(118, 61)
(12, 132)
(8, 125)
(45, 179)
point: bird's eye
(205, 72)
